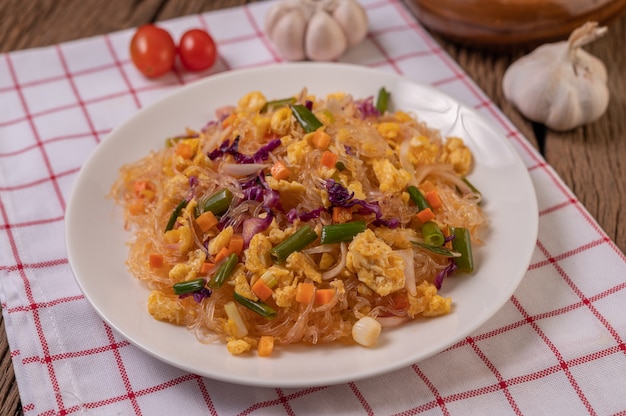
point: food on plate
(301, 220)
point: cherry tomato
(152, 50)
(197, 50)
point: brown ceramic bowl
(506, 22)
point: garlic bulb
(559, 84)
(320, 30)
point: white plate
(97, 250)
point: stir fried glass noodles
(300, 220)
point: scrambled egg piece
(357, 188)
(301, 265)
(428, 302)
(181, 236)
(164, 307)
(290, 192)
(238, 346)
(457, 154)
(251, 102)
(242, 286)
(221, 240)
(388, 130)
(396, 238)
(258, 256)
(280, 123)
(284, 296)
(375, 263)
(297, 151)
(391, 179)
(422, 151)
(189, 270)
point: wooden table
(590, 159)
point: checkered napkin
(557, 347)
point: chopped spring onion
(335, 233)
(417, 197)
(269, 279)
(224, 271)
(190, 286)
(306, 118)
(470, 185)
(295, 242)
(170, 223)
(261, 308)
(442, 251)
(382, 101)
(432, 234)
(462, 244)
(218, 203)
(274, 104)
(233, 314)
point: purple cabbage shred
(447, 271)
(293, 214)
(367, 107)
(198, 296)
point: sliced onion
(341, 264)
(409, 270)
(242, 169)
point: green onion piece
(274, 104)
(471, 186)
(382, 102)
(218, 203)
(190, 286)
(306, 118)
(462, 243)
(432, 234)
(335, 233)
(233, 314)
(170, 223)
(224, 270)
(295, 242)
(269, 279)
(417, 197)
(261, 308)
(340, 166)
(442, 251)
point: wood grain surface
(590, 159)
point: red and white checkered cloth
(556, 347)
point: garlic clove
(559, 84)
(324, 39)
(286, 28)
(353, 20)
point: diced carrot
(265, 345)
(206, 221)
(324, 296)
(427, 186)
(280, 171)
(262, 290)
(329, 159)
(305, 292)
(136, 207)
(425, 215)
(433, 199)
(206, 267)
(184, 150)
(228, 120)
(222, 254)
(342, 214)
(320, 139)
(156, 260)
(235, 245)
